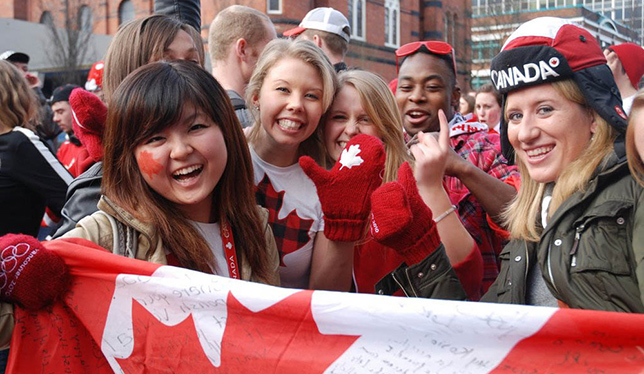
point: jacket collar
(110, 207)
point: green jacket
(592, 252)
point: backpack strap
(124, 238)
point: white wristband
(445, 214)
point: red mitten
(344, 191)
(30, 275)
(401, 220)
(89, 114)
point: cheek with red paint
(148, 164)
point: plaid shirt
(482, 149)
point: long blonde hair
(380, 105)
(521, 215)
(635, 162)
(309, 53)
(17, 101)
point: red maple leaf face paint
(148, 165)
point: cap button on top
(582, 38)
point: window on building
(357, 18)
(274, 6)
(47, 19)
(126, 12)
(392, 23)
(85, 19)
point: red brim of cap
(294, 32)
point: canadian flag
(128, 316)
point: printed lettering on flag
(128, 316)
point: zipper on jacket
(393, 275)
(527, 263)
(552, 279)
(575, 245)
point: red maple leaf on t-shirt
(291, 232)
(282, 338)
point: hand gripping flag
(128, 316)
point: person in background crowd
(137, 43)
(329, 30)
(71, 153)
(237, 37)
(488, 107)
(43, 125)
(364, 104)
(474, 170)
(31, 178)
(575, 225)
(466, 104)
(626, 61)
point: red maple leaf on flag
(159, 348)
(283, 338)
(292, 232)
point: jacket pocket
(602, 239)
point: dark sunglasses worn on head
(432, 46)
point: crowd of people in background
(527, 191)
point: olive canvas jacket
(592, 252)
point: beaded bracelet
(447, 212)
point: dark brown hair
(151, 99)
(140, 42)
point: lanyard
(229, 250)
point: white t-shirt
(212, 233)
(294, 213)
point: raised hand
(345, 190)
(401, 220)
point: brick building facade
(379, 26)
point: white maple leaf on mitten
(350, 158)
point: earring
(257, 108)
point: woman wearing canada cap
(576, 222)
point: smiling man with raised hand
(475, 169)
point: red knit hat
(89, 114)
(632, 58)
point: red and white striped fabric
(128, 316)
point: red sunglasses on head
(435, 47)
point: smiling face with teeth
(546, 130)
(346, 119)
(425, 85)
(184, 162)
(290, 105)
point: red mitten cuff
(470, 273)
(345, 190)
(30, 275)
(344, 230)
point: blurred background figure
(94, 82)
(466, 104)
(626, 61)
(42, 123)
(71, 152)
(488, 106)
